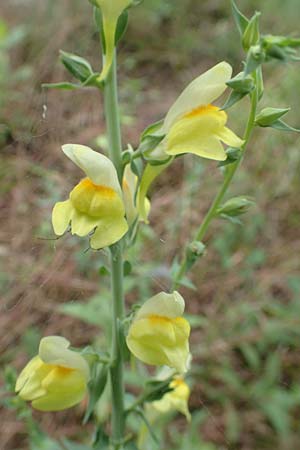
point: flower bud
(270, 115)
(251, 34)
(235, 206)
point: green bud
(79, 67)
(270, 115)
(194, 250)
(235, 206)
(251, 34)
(256, 56)
(241, 83)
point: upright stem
(223, 189)
(116, 371)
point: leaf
(241, 21)
(282, 126)
(96, 388)
(149, 427)
(64, 85)
(121, 26)
(101, 441)
(127, 268)
(233, 98)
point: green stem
(231, 169)
(111, 106)
(116, 371)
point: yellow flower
(111, 11)
(130, 195)
(95, 203)
(56, 378)
(193, 124)
(175, 400)
(158, 334)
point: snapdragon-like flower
(193, 124)
(111, 11)
(95, 203)
(159, 334)
(175, 400)
(56, 378)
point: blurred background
(244, 295)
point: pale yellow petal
(54, 350)
(162, 304)
(108, 231)
(201, 91)
(61, 216)
(96, 166)
(160, 341)
(230, 138)
(64, 388)
(30, 367)
(150, 173)
(82, 224)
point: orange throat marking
(203, 109)
(87, 184)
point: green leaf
(156, 389)
(101, 440)
(149, 426)
(127, 268)
(231, 219)
(233, 155)
(282, 126)
(104, 270)
(96, 388)
(64, 85)
(121, 26)
(233, 98)
(241, 21)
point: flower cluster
(99, 207)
